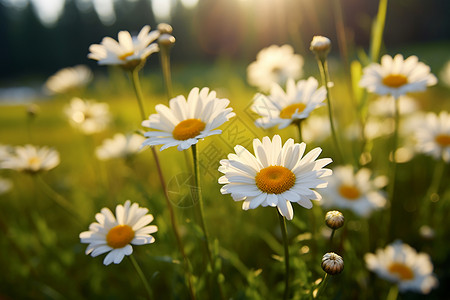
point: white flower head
(120, 146)
(129, 51)
(283, 108)
(88, 116)
(433, 137)
(384, 107)
(116, 234)
(31, 159)
(355, 191)
(274, 64)
(401, 264)
(445, 74)
(68, 79)
(396, 76)
(275, 176)
(316, 129)
(185, 122)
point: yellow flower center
(125, 55)
(443, 140)
(34, 161)
(349, 192)
(395, 80)
(187, 129)
(288, 111)
(275, 179)
(401, 270)
(119, 236)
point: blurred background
(38, 37)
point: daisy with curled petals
(356, 191)
(274, 64)
(68, 79)
(401, 264)
(31, 159)
(184, 122)
(120, 146)
(116, 234)
(397, 76)
(129, 51)
(433, 137)
(275, 176)
(283, 108)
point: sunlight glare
(48, 11)
(105, 11)
(161, 10)
(189, 3)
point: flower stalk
(141, 276)
(286, 255)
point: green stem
(286, 254)
(323, 66)
(165, 66)
(138, 92)
(433, 189)
(322, 286)
(298, 123)
(393, 293)
(377, 30)
(340, 30)
(391, 189)
(332, 235)
(141, 276)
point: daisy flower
(88, 116)
(120, 146)
(384, 107)
(186, 121)
(283, 108)
(116, 234)
(401, 264)
(128, 52)
(275, 176)
(396, 76)
(355, 191)
(31, 159)
(274, 64)
(68, 79)
(433, 137)
(316, 129)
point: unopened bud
(166, 40)
(332, 263)
(334, 219)
(164, 28)
(321, 46)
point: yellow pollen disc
(349, 192)
(401, 270)
(119, 236)
(443, 140)
(187, 129)
(395, 80)
(125, 55)
(275, 179)
(288, 111)
(34, 161)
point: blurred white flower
(68, 79)
(355, 191)
(384, 107)
(116, 234)
(187, 121)
(396, 76)
(120, 146)
(275, 176)
(88, 116)
(5, 185)
(401, 264)
(129, 51)
(283, 108)
(433, 137)
(31, 159)
(316, 129)
(445, 74)
(274, 64)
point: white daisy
(116, 234)
(5, 185)
(433, 137)
(316, 129)
(274, 64)
(185, 122)
(88, 116)
(445, 74)
(401, 264)
(355, 191)
(31, 159)
(384, 107)
(283, 108)
(129, 51)
(396, 76)
(68, 79)
(120, 146)
(275, 176)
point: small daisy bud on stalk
(334, 219)
(320, 46)
(166, 41)
(332, 263)
(164, 28)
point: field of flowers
(230, 180)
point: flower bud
(332, 263)
(321, 46)
(334, 219)
(164, 28)
(166, 40)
